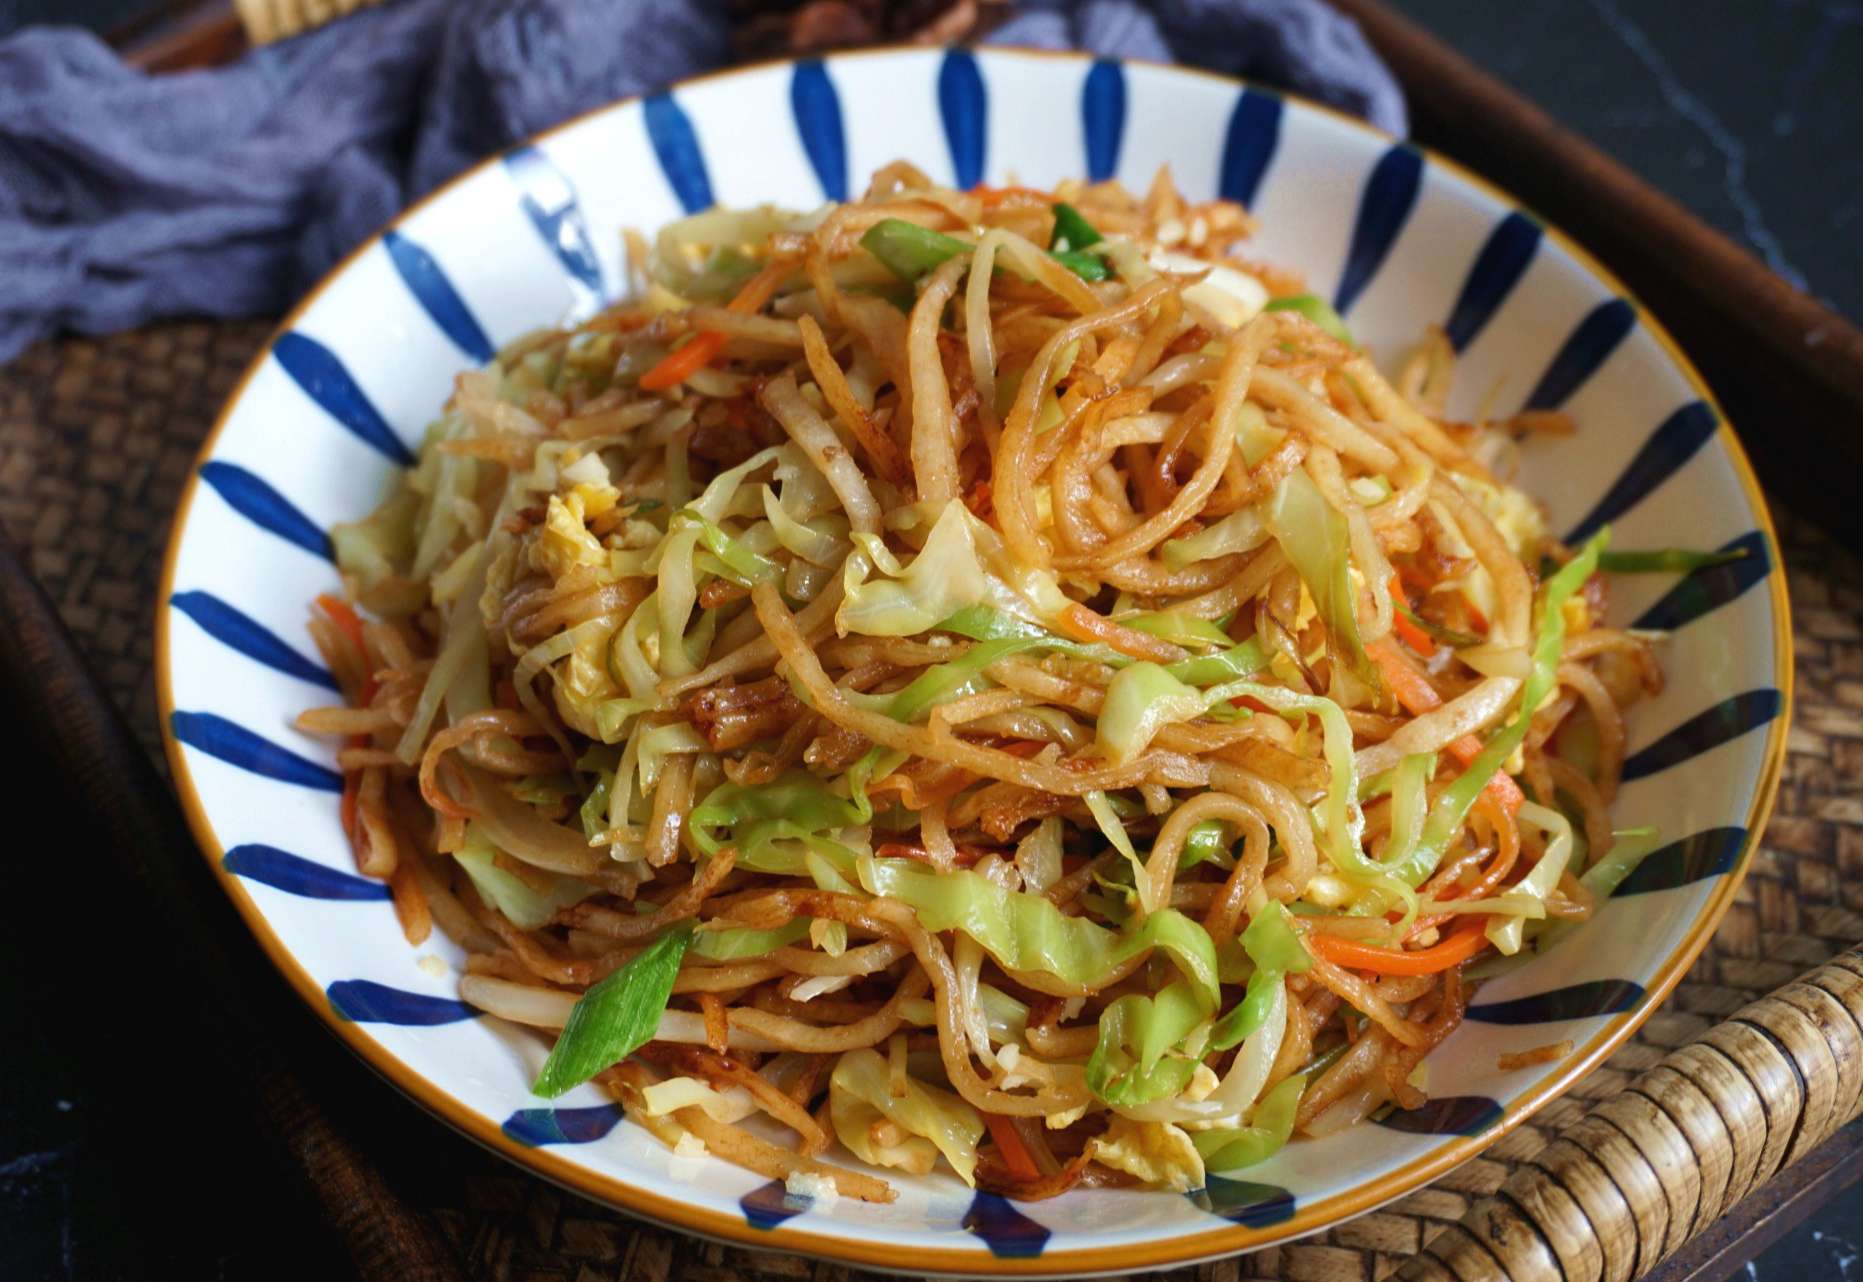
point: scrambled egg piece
(1516, 517)
(1160, 1154)
(564, 542)
(1230, 297)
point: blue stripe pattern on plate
(363, 1001)
(768, 1205)
(1681, 435)
(231, 628)
(265, 507)
(1005, 1230)
(535, 1127)
(1254, 133)
(1503, 260)
(677, 146)
(294, 874)
(817, 109)
(1383, 209)
(1724, 722)
(238, 746)
(964, 108)
(433, 291)
(1244, 1201)
(1574, 1001)
(1103, 117)
(1709, 853)
(1587, 347)
(1710, 587)
(555, 211)
(1446, 1115)
(321, 374)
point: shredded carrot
(684, 361)
(1418, 696)
(343, 615)
(1453, 950)
(994, 196)
(1411, 635)
(1016, 1156)
(1082, 624)
(352, 785)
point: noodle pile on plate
(990, 678)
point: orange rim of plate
(1157, 1253)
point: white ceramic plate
(1399, 240)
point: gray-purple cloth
(125, 197)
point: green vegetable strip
(1205, 841)
(936, 683)
(1318, 545)
(737, 942)
(1028, 932)
(1452, 807)
(1084, 265)
(616, 1017)
(1317, 311)
(1626, 852)
(747, 568)
(1665, 561)
(909, 251)
(1071, 231)
(1243, 660)
(1273, 945)
(795, 807)
(1272, 1126)
(1184, 629)
(1409, 805)
(1128, 1066)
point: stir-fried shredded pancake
(987, 679)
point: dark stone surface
(1749, 112)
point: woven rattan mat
(97, 436)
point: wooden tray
(97, 436)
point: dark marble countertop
(1748, 112)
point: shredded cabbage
(1318, 545)
(530, 900)
(1026, 932)
(1268, 1132)
(937, 1115)
(944, 577)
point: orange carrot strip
(1411, 635)
(1082, 624)
(1453, 950)
(993, 196)
(1418, 696)
(683, 362)
(343, 615)
(1016, 1156)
